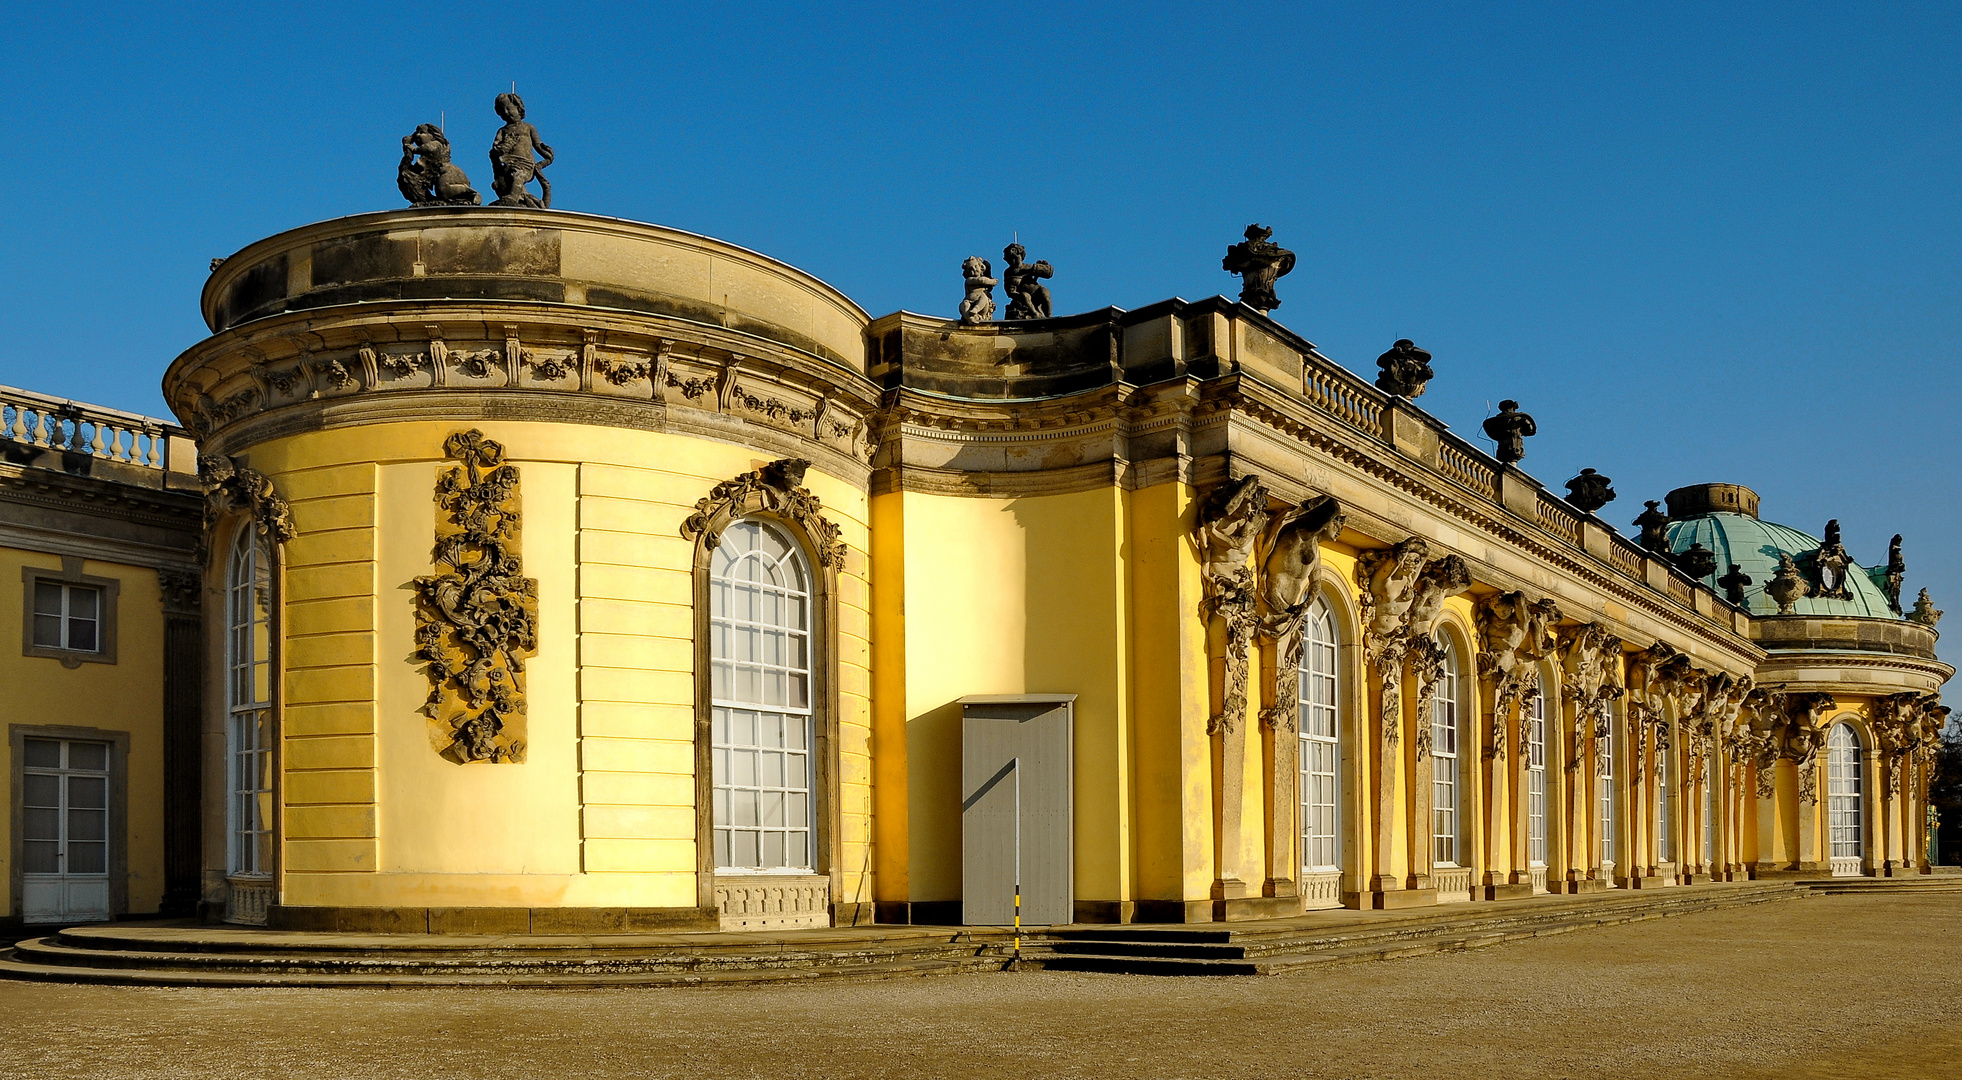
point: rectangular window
(69, 616)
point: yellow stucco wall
(126, 696)
(601, 814)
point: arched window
(1604, 787)
(1321, 846)
(1710, 809)
(760, 669)
(1844, 814)
(1445, 721)
(1536, 777)
(248, 697)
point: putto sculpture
(1405, 370)
(1590, 491)
(1509, 429)
(512, 163)
(978, 305)
(1260, 262)
(427, 176)
(1028, 298)
(1655, 528)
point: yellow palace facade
(553, 573)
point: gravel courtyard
(1847, 986)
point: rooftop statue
(1787, 586)
(1405, 369)
(426, 176)
(1697, 561)
(512, 164)
(978, 306)
(1655, 528)
(1830, 563)
(1895, 573)
(1733, 584)
(1259, 262)
(1027, 297)
(1590, 491)
(1925, 612)
(1509, 429)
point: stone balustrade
(54, 424)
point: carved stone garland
(477, 615)
(1287, 586)
(776, 488)
(230, 487)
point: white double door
(65, 831)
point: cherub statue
(978, 306)
(512, 164)
(1260, 263)
(433, 180)
(1027, 297)
(1509, 429)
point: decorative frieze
(477, 615)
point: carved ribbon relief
(477, 615)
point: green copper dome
(1744, 541)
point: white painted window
(760, 673)
(1665, 819)
(1446, 817)
(64, 830)
(1320, 721)
(1710, 810)
(248, 733)
(1605, 787)
(1843, 809)
(1536, 777)
(67, 616)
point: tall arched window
(1710, 810)
(1604, 788)
(1665, 821)
(1536, 777)
(248, 697)
(1844, 812)
(1321, 846)
(1445, 720)
(760, 668)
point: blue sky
(1697, 243)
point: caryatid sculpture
(426, 176)
(1230, 525)
(512, 163)
(1028, 298)
(1516, 634)
(1287, 585)
(1260, 262)
(978, 305)
(1509, 429)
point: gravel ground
(1849, 986)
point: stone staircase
(1344, 937)
(186, 954)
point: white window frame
(1447, 790)
(1665, 805)
(1710, 811)
(1535, 777)
(248, 726)
(1320, 724)
(1845, 794)
(70, 577)
(794, 749)
(1604, 789)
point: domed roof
(1743, 540)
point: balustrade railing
(50, 423)
(1560, 519)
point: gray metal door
(1016, 809)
